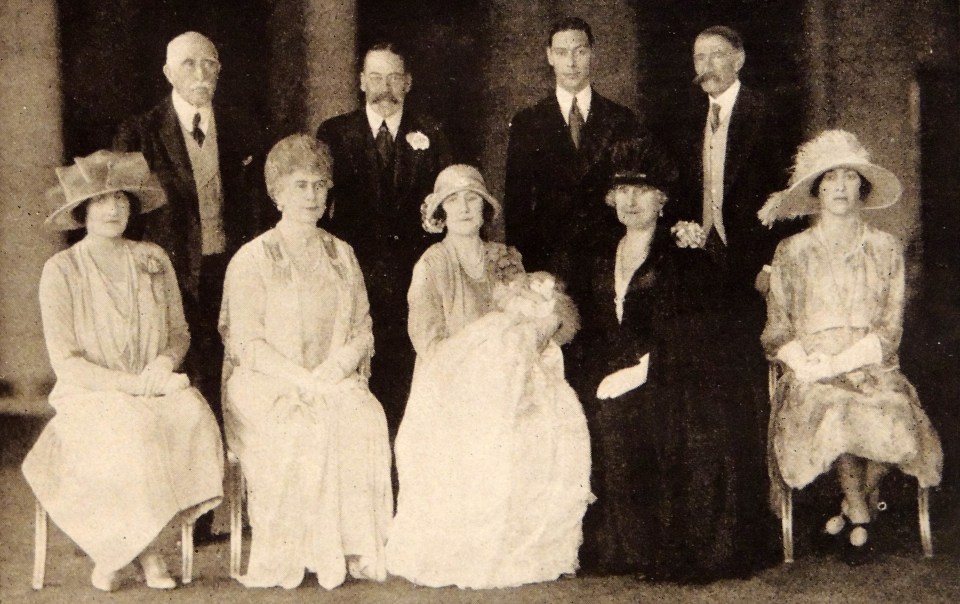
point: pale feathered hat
(831, 149)
(450, 181)
(99, 173)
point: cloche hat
(450, 181)
(99, 173)
(831, 149)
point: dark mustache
(700, 79)
(384, 96)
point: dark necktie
(576, 123)
(385, 145)
(197, 132)
(714, 117)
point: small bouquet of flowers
(539, 298)
(689, 234)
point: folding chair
(786, 502)
(40, 548)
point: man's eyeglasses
(712, 56)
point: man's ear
(363, 83)
(166, 72)
(550, 56)
(741, 59)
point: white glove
(865, 351)
(807, 368)
(624, 380)
(328, 372)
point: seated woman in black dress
(663, 457)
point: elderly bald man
(209, 158)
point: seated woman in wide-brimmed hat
(834, 319)
(132, 446)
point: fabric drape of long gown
(113, 469)
(828, 303)
(493, 453)
(665, 453)
(317, 470)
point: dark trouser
(204, 361)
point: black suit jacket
(373, 218)
(176, 226)
(757, 158)
(554, 209)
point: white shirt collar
(186, 111)
(375, 119)
(565, 99)
(726, 99)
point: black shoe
(203, 531)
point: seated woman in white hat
(834, 319)
(493, 454)
(132, 446)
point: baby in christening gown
(495, 472)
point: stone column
(30, 147)
(330, 28)
(313, 72)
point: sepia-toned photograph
(479, 301)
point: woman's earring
(660, 213)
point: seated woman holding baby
(493, 454)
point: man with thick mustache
(209, 159)
(732, 156)
(386, 157)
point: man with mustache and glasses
(386, 157)
(209, 159)
(731, 150)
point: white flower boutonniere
(689, 234)
(418, 141)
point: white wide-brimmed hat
(99, 173)
(830, 150)
(450, 181)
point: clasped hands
(624, 380)
(158, 379)
(819, 366)
(323, 377)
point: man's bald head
(192, 67)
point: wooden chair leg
(39, 545)
(786, 524)
(923, 507)
(237, 488)
(186, 544)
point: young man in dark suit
(386, 157)
(558, 158)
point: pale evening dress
(317, 471)
(828, 302)
(493, 455)
(113, 469)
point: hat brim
(434, 201)
(797, 200)
(151, 196)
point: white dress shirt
(375, 119)
(714, 157)
(565, 99)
